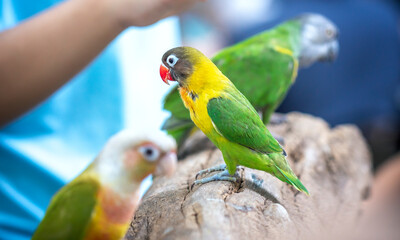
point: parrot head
(129, 157)
(178, 64)
(318, 39)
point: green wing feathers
(238, 122)
(69, 212)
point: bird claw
(198, 174)
(191, 186)
(222, 176)
(221, 167)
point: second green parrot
(264, 66)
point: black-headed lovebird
(264, 66)
(224, 114)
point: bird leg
(221, 176)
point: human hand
(145, 12)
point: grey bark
(334, 164)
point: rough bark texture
(334, 164)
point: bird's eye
(171, 60)
(150, 153)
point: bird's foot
(278, 118)
(221, 176)
(221, 167)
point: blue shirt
(48, 146)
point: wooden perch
(334, 164)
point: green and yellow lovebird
(264, 66)
(100, 202)
(228, 119)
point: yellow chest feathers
(197, 105)
(205, 83)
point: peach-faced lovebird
(100, 202)
(228, 119)
(264, 66)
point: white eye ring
(149, 152)
(172, 60)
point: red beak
(165, 75)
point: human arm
(41, 54)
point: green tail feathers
(291, 179)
